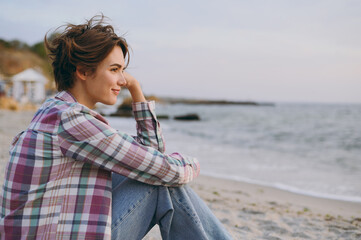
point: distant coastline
(212, 102)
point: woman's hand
(134, 88)
(130, 80)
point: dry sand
(248, 211)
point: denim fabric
(178, 211)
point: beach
(248, 211)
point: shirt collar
(66, 96)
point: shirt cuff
(143, 110)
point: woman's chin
(109, 102)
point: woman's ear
(81, 73)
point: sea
(310, 149)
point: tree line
(37, 48)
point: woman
(72, 176)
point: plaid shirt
(58, 179)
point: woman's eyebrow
(115, 64)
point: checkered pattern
(58, 178)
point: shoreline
(261, 193)
(252, 211)
(247, 210)
(288, 188)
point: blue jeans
(178, 211)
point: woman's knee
(133, 208)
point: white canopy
(29, 85)
(29, 75)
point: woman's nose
(122, 81)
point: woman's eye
(114, 69)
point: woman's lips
(116, 91)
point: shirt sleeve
(84, 137)
(149, 132)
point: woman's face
(105, 84)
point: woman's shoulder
(63, 108)
(48, 116)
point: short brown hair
(84, 45)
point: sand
(248, 211)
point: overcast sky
(261, 50)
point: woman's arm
(84, 137)
(149, 132)
(134, 88)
